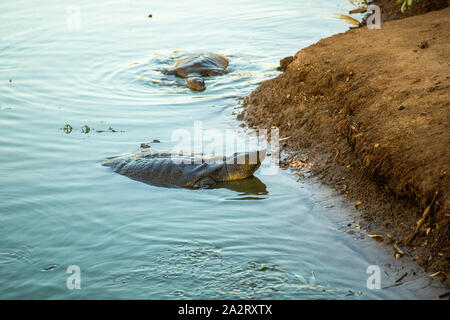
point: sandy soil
(367, 111)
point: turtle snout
(197, 84)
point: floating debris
(85, 129)
(350, 293)
(51, 267)
(110, 129)
(67, 128)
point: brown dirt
(390, 9)
(370, 109)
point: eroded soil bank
(368, 111)
(391, 9)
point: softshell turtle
(194, 67)
(189, 171)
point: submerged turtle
(194, 67)
(191, 171)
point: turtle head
(196, 83)
(243, 164)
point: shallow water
(270, 238)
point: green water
(59, 207)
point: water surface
(59, 207)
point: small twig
(402, 277)
(337, 153)
(421, 221)
(359, 10)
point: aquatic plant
(406, 4)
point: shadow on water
(251, 186)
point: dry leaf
(347, 19)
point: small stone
(401, 108)
(423, 45)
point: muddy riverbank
(366, 111)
